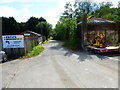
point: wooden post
(118, 31)
(83, 28)
(25, 45)
(105, 34)
(0, 33)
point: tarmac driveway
(58, 67)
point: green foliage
(36, 51)
(11, 27)
(63, 27)
(39, 25)
(45, 42)
(66, 29)
(105, 11)
(59, 31)
(74, 41)
(68, 10)
(81, 7)
(31, 23)
(44, 28)
(51, 37)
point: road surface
(58, 67)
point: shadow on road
(82, 55)
(57, 47)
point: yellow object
(99, 41)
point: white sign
(26, 34)
(13, 41)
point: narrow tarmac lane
(58, 67)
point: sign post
(13, 41)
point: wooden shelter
(97, 25)
(30, 34)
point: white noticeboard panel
(13, 41)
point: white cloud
(6, 1)
(23, 18)
(24, 13)
(20, 15)
(28, 5)
(36, 0)
(26, 16)
(52, 15)
(8, 11)
(26, 8)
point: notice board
(13, 41)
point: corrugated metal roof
(32, 33)
(98, 20)
(93, 19)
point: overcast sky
(22, 10)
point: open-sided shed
(97, 25)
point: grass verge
(36, 51)
(50, 38)
(45, 42)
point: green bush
(36, 51)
